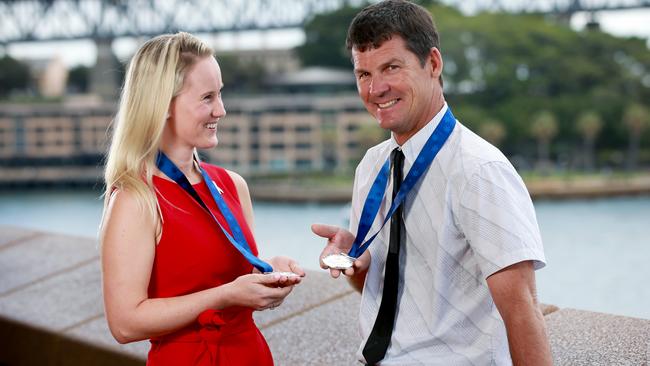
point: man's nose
(378, 86)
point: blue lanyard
(378, 188)
(239, 241)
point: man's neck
(436, 107)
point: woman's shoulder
(232, 181)
(216, 172)
(125, 207)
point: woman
(178, 255)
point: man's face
(395, 88)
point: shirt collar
(412, 147)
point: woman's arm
(128, 250)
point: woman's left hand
(286, 264)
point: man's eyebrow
(382, 66)
(392, 61)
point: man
(450, 281)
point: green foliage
(240, 77)
(493, 131)
(14, 76)
(636, 118)
(509, 67)
(544, 126)
(589, 125)
(325, 43)
(79, 79)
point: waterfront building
(42, 144)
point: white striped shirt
(469, 216)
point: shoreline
(336, 189)
(539, 188)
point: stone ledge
(53, 315)
(24, 344)
(585, 338)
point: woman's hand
(286, 264)
(259, 291)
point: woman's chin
(211, 144)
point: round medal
(287, 274)
(338, 261)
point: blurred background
(562, 87)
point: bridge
(56, 20)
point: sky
(83, 52)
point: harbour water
(598, 251)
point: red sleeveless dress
(193, 255)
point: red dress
(193, 255)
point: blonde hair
(154, 77)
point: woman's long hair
(154, 77)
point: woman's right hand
(258, 291)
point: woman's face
(195, 111)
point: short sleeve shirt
(468, 216)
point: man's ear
(436, 62)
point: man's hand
(340, 240)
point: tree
(636, 119)
(497, 73)
(543, 65)
(14, 75)
(493, 131)
(78, 79)
(589, 125)
(325, 39)
(239, 76)
(543, 129)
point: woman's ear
(169, 110)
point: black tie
(379, 339)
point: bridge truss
(49, 20)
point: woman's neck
(184, 160)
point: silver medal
(287, 274)
(338, 261)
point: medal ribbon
(238, 241)
(378, 188)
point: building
(260, 135)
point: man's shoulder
(469, 154)
(474, 151)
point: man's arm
(514, 293)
